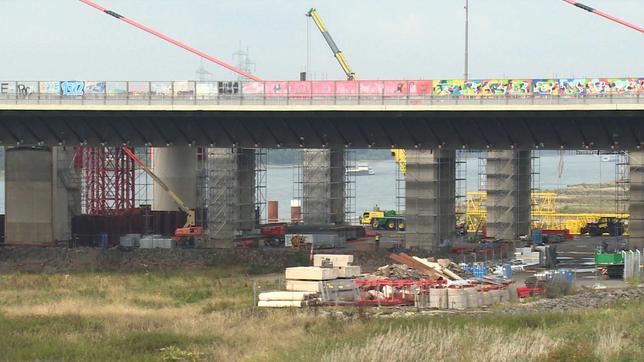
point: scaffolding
(460, 193)
(231, 191)
(535, 183)
(350, 216)
(622, 183)
(108, 181)
(323, 187)
(143, 183)
(482, 171)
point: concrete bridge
(429, 127)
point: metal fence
(314, 93)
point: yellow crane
(398, 154)
(337, 53)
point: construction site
(396, 208)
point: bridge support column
(323, 186)
(231, 194)
(177, 167)
(636, 203)
(508, 194)
(42, 194)
(430, 188)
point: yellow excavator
(398, 154)
(185, 236)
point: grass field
(208, 316)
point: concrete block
(291, 295)
(335, 259)
(314, 286)
(311, 273)
(350, 271)
(281, 303)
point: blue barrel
(507, 271)
(102, 240)
(537, 235)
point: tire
(391, 225)
(375, 224)
(615, 271)
(401, 226)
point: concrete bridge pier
(430, 188)
(323, 186)
(177, 167)
(636, 203)
(42, 194)
(508, 194)
(231, 194)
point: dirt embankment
(57, 259)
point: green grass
(208, 315)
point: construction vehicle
(398, 154)
(610, 264)
(313, 14)
(187, 235)
(605, 225)
(383, 220)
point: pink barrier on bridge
(489, 88)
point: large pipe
(605, 15)
(171, 40)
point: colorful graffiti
(520, 87)
(72, 88)
(449, 87)
(94, 87)
(565, 87)
(486, 88)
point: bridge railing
(389, 92)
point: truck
(383, 220)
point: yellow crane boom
(337, 53)
(190, 214)
(398, 154)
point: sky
(410, 39)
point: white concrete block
(350, 271)
(311, 273)
(314, 286)
(280, 303)
(290, 296)
(335, 259)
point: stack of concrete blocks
(286, 299)
(156, 242)
(331, 275)
(527, 256)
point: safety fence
(494, 91)
(632, 265)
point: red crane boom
(605, 15)
(171, 40)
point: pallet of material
(311, 273)
(335, 259)
(286, 296)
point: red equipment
(605, 15)
(171, 40)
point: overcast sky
(408, 39)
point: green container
(609, 259)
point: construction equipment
(605, 15)
(383, 220)
(186, 235)
(611, 264)
(398, 154)
(606, 225)
(313, 14)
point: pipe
(171, 40)
(605, 15)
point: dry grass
(208, 315)
(448, 344)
